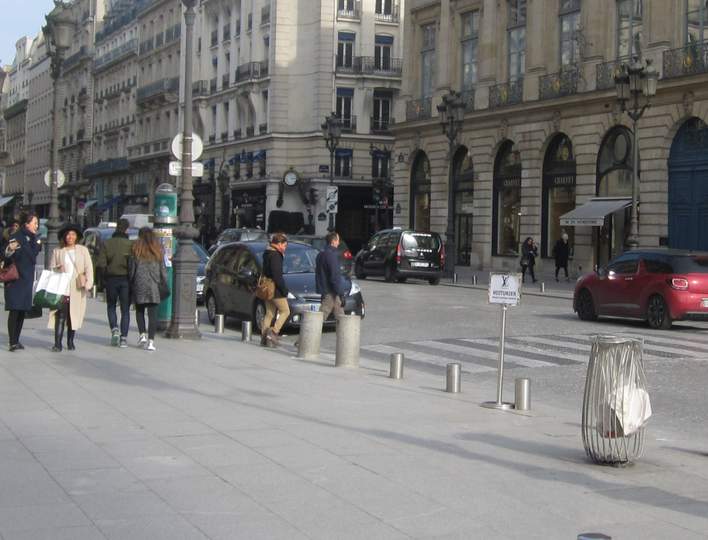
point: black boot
(59, 323)
(70, 339)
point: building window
(343, 163)
(470, 34)
(344, 105)
(507, 201)
(517, 39)
(629, 27)
(427, 60)
(382, 109)
(345, 49)
(379, 164)
(420, 193)
(569, 26)
(213, 120)
(345, 5)
(696, 11)
(384, 7)
(382, 52)
(558, 192)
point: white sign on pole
(60, 178)
(332, 199)
(504, 288)
(175, 168)
(197, 146)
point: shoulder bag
(8, 273)
(265, 289)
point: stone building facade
(543, 133)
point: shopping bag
(625, 408)
(52, 287)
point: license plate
(704, 302)
(314, 307)
(420, 264)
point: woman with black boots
(73, 258)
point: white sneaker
(115, 337)
(150, 346)
(142, 339)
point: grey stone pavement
(225, 440)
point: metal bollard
(593, 536)
(453, 379)
(219, 324)
(246, 331)
(474, 279)
(454, 278)
(308, 344)
(396, 369)
(94, 291)
(522, 398)
(543, 287)
(348, 334)
(196, 318)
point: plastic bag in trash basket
(626, 410)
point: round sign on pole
(197, 146)
(60, 179)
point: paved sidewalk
(224, 440)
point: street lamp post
(186, 262)
(633, 82)
(332, 132)
(58, 37)
(451, 111)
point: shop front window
(558, 192)
(507, 201)
(420, 194)
(464, 205)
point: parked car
(656, 285)
(234, 269)
(319, 243)
(239, 235)
(399, 254)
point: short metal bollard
(308, 343)
(219, 324)
(348, 335)
(616, 403)
(246, 331)
(94, 291)
(454, 278)
(593, 536)
(196, 318)
(396, 368)
(542, 287)
(474, 279)
(453, 378)
(522, 397)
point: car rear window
(420, 241)
(691, 264)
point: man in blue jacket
(328, 278)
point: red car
(656, 285)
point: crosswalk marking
(490, 354)
(424, 357)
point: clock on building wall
(291, 177)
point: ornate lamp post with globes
(635, 81)
(332, 132)
(58, 37)
(186, 262)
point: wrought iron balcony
(212, 86)
(225, 81)
(418, 109)
(212, 139)
(251, 71)
(146, 46)
(173, 33)
(468, 99)
(381, 126)
(509, 93)
(387, 67)
(200, 88)
(350, 13)
(106, 166)
(237, 134)
(605, 74)
(158, 88)
(348, 123)
(262, 128)
(224, 136)
(250, 131)
(689, 60)
(159, 40)
(125, 50)
(555, 85)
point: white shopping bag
(51, 289)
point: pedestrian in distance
(328, 278)
(10, 228)
(113, 264)
(561, 253)
(277, 308)
(22, 249)
(529, 252)
(146, 273)
(71, 257)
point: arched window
(420, 193)
(506, 229)
(558, 191)
(614, 164)
(464, 207)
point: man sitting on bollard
(329, 280)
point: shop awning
(5, 200)
(593, 212)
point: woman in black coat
(529, 252)
(22, 250)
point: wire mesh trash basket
(616, 402)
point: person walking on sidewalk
(113, 264)
(146, 271)
(22, 249)
(73, 258)
(277, 308)
(561, 252)
(328, 278)
(529, 252)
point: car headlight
(355, 288)
(291, 296)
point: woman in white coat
(75, 258)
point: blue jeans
(118, 290)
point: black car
(319, 243)
(233, 271)
(398, 254)
(239, 235)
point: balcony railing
(128, 48)
(265, 15)
(418, 109)
(509, 93)
(75, 58)
(212, 86)
(393, 17)
(555, 85)
(392, 67)
(250, 131)
(214, 38)
(225, 80)
(107, 166)
(146, 46)
(159, 40)
(163, 86)
(381, 126)
(689, 60)
(353, 12)
(468, 99)
(237, 134)
(251, 70)
(262, 128)
(605, 74)
(227, 32)
(173, 33)
(200, 88)
(348, 123)
(224, 136)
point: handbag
(34, 313)
(265, 288)
(524, 261)
(52, 288)
(8, 273)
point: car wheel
(211, 307)
(401, 279)
(258, 316)
(359, 271)
(585, 306)
(389, 273)
(658, 315)
(434, 281)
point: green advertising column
(165, 219)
